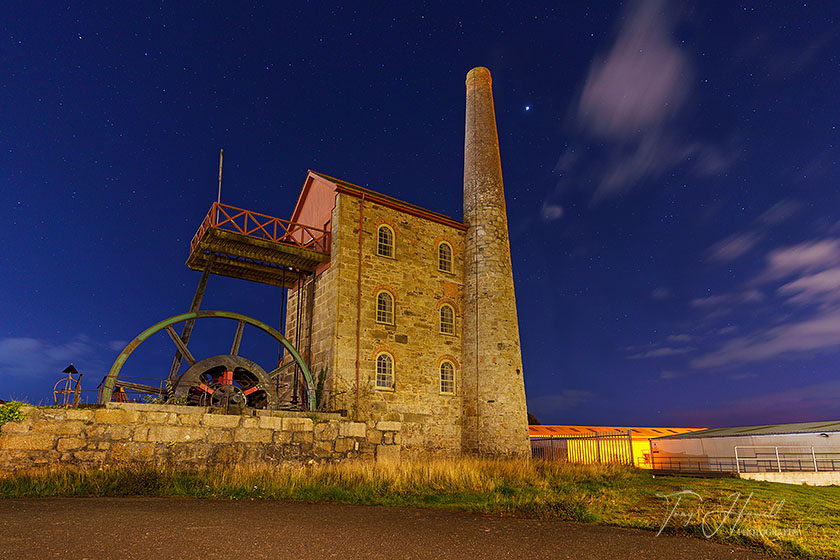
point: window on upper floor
(447, 378)
(445, 257)
(385, 241)
(385, 308)
(384, 371)
(447, 319)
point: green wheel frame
(166, 325)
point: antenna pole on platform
(219, 198)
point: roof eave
(390, 202)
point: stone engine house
(413, 318)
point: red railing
(258, 225)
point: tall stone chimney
(495, 419)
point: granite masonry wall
(189, 437)
(431, 419)
(495, 418)
(316, 338)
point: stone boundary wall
(188, 437)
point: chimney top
(479, 74)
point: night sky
(671, 175)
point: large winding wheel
(223, 380)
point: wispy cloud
(660, 352)
(810, 256)
(734, 246)
(28, 357)
(666, 375)
(742, 242)
(800, 404)
(786, 60)
(551, 212)
(642, 81)
(679, 338)
(820, 287)
(117, 345)
(743, 376)
(24, 359)
(813, 401)
(629, 103)
(818, 333)
(779, 213)
(717, 302)
(660, 294)
(811, 271)
(670, 347)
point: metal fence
(693, 464)
(755, 459)
(606, 447)
(786, 458)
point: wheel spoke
(253, 389)
(237, 338)
(279, 369)
(206, 389)
(180, 344)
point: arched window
(447, 319)
(385, 241)
(445, 257)
(384, 371)
(447, 378)
(385, 308)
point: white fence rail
(786, 458)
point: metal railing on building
(693, 464)
(754, 459)
(769, 458)
(254, 224)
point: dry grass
(807, 524)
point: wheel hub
(226, 380)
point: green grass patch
(11, 412)
(777, 519)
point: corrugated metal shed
(575, 443)
(765, 430)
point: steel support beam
(188, 326)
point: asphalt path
(166, 528)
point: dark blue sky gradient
(671, 180)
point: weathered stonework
(336, 308)
(185, 437)
(411, 339)
(495, 417)
(431, 420)
(317, 301)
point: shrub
(10, 412)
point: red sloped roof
(373, 196)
